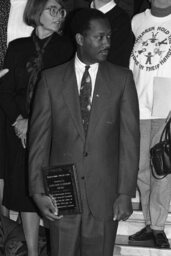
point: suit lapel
(101, 96)
(71, 97)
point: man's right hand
(47, 207)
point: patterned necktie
(85, 94)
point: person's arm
(129, 150)
(3, 72)
(39, 149)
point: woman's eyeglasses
(54, 11)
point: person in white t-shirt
(151, 65)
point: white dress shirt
(105, 8)
(79, 70)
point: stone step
(124, 248)
(136, 222)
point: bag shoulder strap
(166, 131)
(154, 173)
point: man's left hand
(122, 208)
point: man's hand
(122, 208)
(47, 207)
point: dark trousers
(82, 234)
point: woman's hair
(33, 10)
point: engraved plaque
(62, 186)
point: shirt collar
(81, 65)
(105, 8)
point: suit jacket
(13, 89)
(108, 157)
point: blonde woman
(25, 58)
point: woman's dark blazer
(13, 91)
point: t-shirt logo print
(152, 48)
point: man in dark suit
(104, 148)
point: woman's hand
(21, 127)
